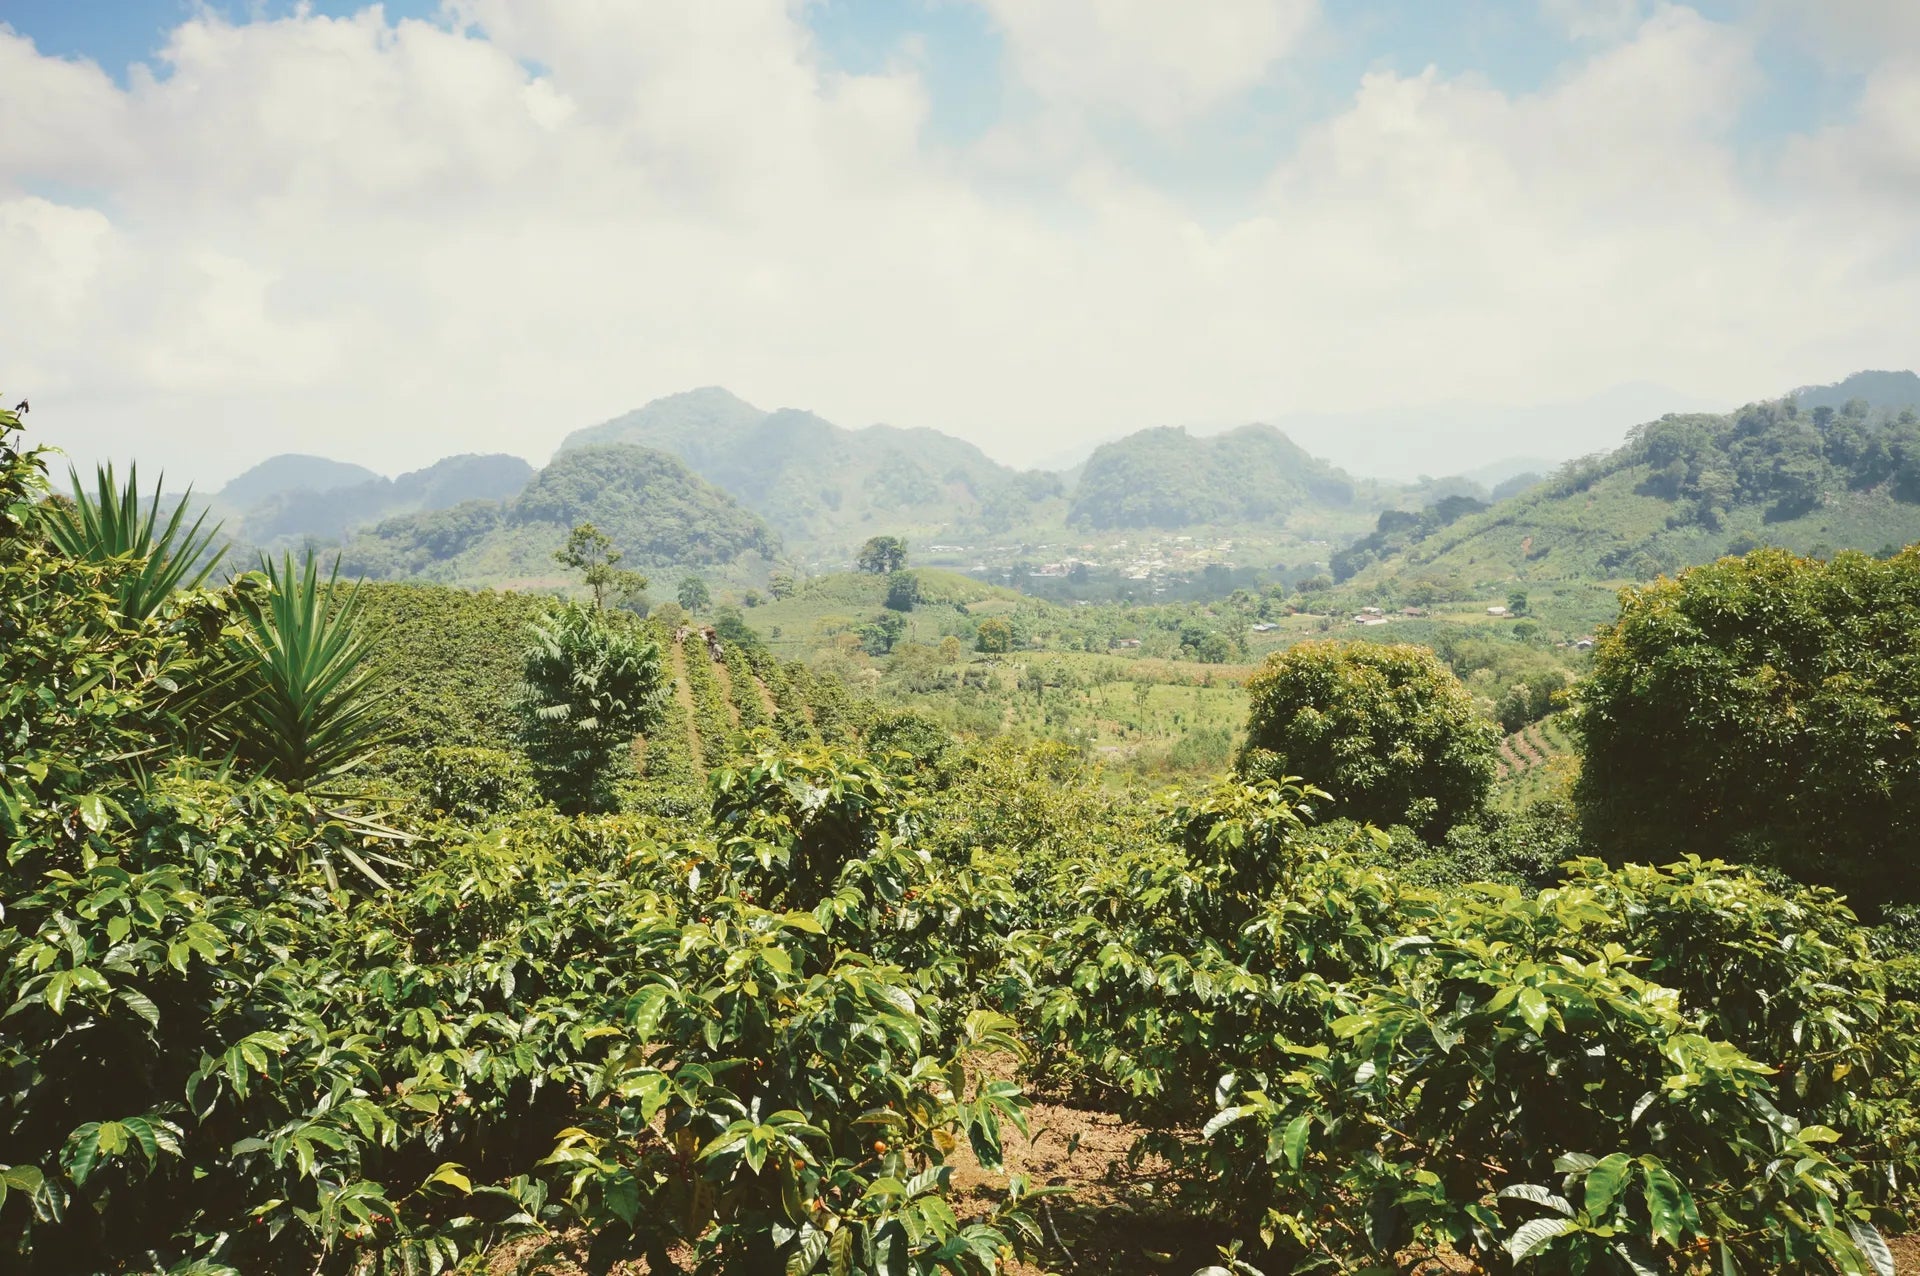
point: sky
(391, 233)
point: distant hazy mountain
(290, 472)
(1168, 478)
(659, 513)
(1886, 390)
(331, 513)
(1684, 489)
(813, 480)
(1451, 438)
(1506, 469)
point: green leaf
(138, 1002)
(1537, 1195)
(1221, 1120)
(808, 1248)
(93, 812)
(1669, 1208)
(1873, 1245)
(1296, 1139)
(1534, 1009)
(449, 1173)
(83, 1150)
(1535, 1236)
(1604, 1182)
(646, 1009)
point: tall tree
(1762, 708)
(590, 552)
(883, 555)
(693, 594)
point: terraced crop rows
(1534, 763)
(715, 706)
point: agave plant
(115, 525)
(300, 704)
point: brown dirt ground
(1113, 1218)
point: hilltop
(818, 482)
(289, 472)
(1887, 390)
(1167, 478)
(659, 513)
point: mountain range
(814, 481)
(704, 479)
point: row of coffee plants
(1635, 1070)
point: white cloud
(1146, 59)
(1595, 19)
(388, 242)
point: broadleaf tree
(1387, 729)
(591, 684)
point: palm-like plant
(300, 705)
(114, 525)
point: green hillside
(333, 512)
(1167, 478)
(816, 482)
(1683, 490)
(659, 513)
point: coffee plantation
(357, 933)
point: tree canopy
(1763, 708)
(590, 552)
(883, 555)
(1386, 729)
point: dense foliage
(590, 685)
(1762, 708)
(1168, 478)
(1386, 729)
(652, 507)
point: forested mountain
(290, 472)
(1683, 490)
(658, 512)
(813, 480)
(1888, 390)
(1167, 478)
(333, 512)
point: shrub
(1760, 708)
(1387, 729)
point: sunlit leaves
(116, 527)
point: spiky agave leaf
(114, 525)
(304, 709)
